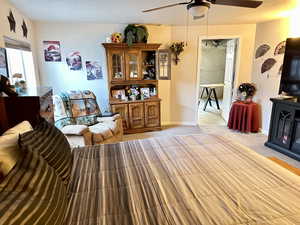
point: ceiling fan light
(198, 11)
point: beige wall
(267, 84)
(184, 75)
(162, 34)
(5, 7)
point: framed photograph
(118, 94)
(3, 62)
(145, 92)
(52, 51)
(164, 64)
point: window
(20, 61)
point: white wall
(267, 84)
(184, 75)
(87, 38)
(5, 8)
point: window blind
(21, 45)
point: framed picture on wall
(164, 64)
(3, 62)
(52, 51)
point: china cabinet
(133, 85)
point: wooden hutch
(133, 85)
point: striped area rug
(285, 165)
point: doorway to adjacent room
(216, 77)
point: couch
(79, 117)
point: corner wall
(267, 83)
(184, 75)
(5, 7)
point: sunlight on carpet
(285, 165)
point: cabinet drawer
(136, 115)
(152, 114)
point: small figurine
(116, 37)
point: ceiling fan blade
(166, 6)
(198, 17)
(239, 3)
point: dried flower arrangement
(177, 48)
(246, 91)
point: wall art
(12, 21)
(74, 61)
(24, 28)
(267, 65)
(262, 50)
(280, 48)
(52, 51)
(93, 70)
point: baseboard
(179, 123)
(263, 131)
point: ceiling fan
(198, 8)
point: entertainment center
(284, 132)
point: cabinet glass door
(132, 65)
(117, 69)
(284, 126)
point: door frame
(199, 58)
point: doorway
(216, 80)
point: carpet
(285, 165)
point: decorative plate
(280, 48)
(262, 50)
(267, 65)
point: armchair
(78, 116)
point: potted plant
(177, 48)
(135, 34)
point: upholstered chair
(78, 116)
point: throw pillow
(50, 143)
(9, 148)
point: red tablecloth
(244, 117)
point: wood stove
(284, 133)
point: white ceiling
(129, 11)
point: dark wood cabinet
(14, 110)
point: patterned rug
(285, 165)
